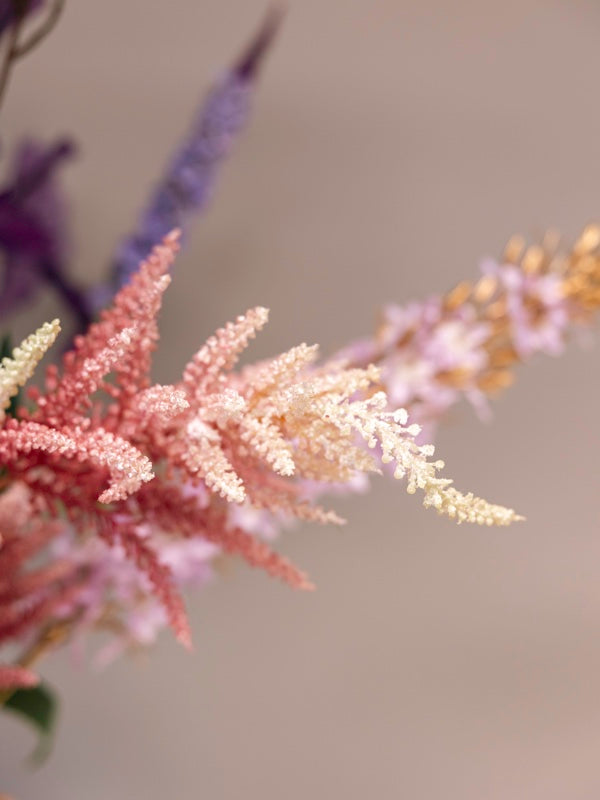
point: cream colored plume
(16, 370)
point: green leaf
(39, 707)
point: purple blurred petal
(21, 282)
(33, 229)
(9, 11)
(20, 233)
(34, 191)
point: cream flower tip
(260, 314)
(16, 370)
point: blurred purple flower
(536, 307)
(10, 10)
(189, 181)
(418, 344)
(33, 230)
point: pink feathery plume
(160, 576)
(27, 444)
(131, 322)
(170, 508)
(27, 584)
(29, 597)
(205, 372)
(121, 342)
(218, 441)
(162, 582)
(17, 620)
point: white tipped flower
(16, 371)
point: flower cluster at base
(123, 492)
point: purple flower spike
(189, 181)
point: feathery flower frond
(221, 351)
(127, 467)
(29, 597)
(159, 574)
(158, 405)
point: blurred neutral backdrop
(393, 144)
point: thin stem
(11, 48)
(14, 50)
(5, 696)
(248, 64)
(50, 638)
(44, 29)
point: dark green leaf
(38, 706)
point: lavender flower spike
(188, 184)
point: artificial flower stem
(44, 29)
(53, 636)
(11, 50)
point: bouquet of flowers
(118, 494)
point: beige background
(393, 145)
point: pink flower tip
(184, 637)
(173, 237)
(17, 678)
